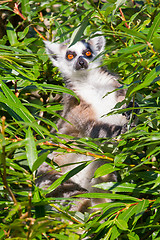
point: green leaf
(108, 209)
(156, 41)
(56, 88)
(108, 8)
(156, 182)
(126, 187)
(133, 33)
(13, 103)
(18, 68)
(25, 4)
(140, 210)
(20, 113)
(15, 145)
(108, 196)
(115, 233)
(48, 122)
(31, 150)
(10, 95)
(73, 236)
(2, 234)
(39, 160)
(79, 31)
(128, 213)
(66, 176)
(17, 51)
(120, 158)
(42, 55)
(132, 49)
(13, 211)
(23, 34)
(11, 34)
(60, 236)
(105, 169)
(153, 28)
(147, 81)
(133, 236)
(3, 7)
(121, 224)
(118, 3)
(109, 232)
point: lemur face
(80, 55)
(78, 59)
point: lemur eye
(88, 53)
(70, 56)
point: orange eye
(88, 53)
(70, 56)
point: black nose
(81, 63)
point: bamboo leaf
(13, 104)
(156, 182)
(56, 88)
(153, 28)
(121, 224)
(128, 213)
(126, 187)
(133, 33)
(132, 49)
(133, 236)
(156, 41)
(105, 169)
(118, 3)
(31, 150)
(19, 52)
(108, 196)
(109, 232)
(79, 31)
(39, 160)
(11, 34)
(115, 233)
(140, 210)
(25, 6)
(66, 176)
(27, 74)
(10, 95)
(147, 81)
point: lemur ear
(98, 42)
(53, 50)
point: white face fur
(77, 60)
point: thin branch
(17, 11)
(123, 18)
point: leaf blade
(79, 31)
(153, 28)
(11, 34)
(31, 150)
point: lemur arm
(81, 121)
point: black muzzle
(81, 63)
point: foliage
(29, 109)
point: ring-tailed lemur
(87, 117)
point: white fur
(93, 89)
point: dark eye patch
(70, 55)
(87, 53)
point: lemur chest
(101, 102)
